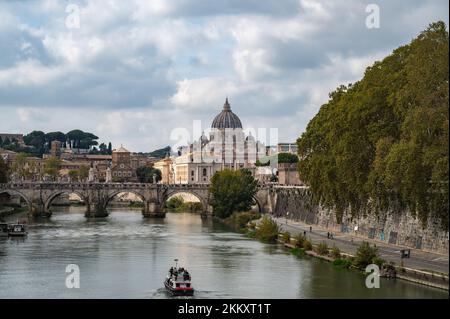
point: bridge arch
(258, 203)
(172, 193)
(55, 195)
(20, 194)
(111, 195)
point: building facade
(122, 169)
(227, 147)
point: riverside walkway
(347, 243)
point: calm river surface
(127, 256)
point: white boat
(178, 282)
(17, 230)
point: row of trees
(283, 158)
(384, 139)
(39, 143)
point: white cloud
(27, 115)
(203, 92)
(139, 67)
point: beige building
(226, 148)
(288, 174)
(167, 170)
(122, 171)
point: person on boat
(171, 271)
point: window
(204, 172)
(192, 173)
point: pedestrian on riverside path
(304, 233)
(310, 229)
(328, 235)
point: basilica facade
(227, 147)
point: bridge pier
(153, 210)
(207, 212)
(96, 210)
(37, 210)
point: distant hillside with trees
(385, 138)
(160, 153)
(39, 143)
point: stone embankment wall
(394, 226)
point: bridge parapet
(39, 195)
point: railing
(53, 185)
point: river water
(127, 256)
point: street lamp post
(287, 215)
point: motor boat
(178, 282)
(17, 230)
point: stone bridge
(96, 196)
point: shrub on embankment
(366, 255)
(286, 237)
(322, 249)
(241, 220)
(267, 230)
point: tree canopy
(161, 153)
(3, 171)
(287, 158)
(39, 143)
(232, 191)
(148, 174)
(384, 139)
(51, 167)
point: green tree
(36, 139)
(7, 141)
(175, 202)
(267, 230)
(74, 175)
(51, 167)
(82, 140)
(287, 158)
(146, 174)
(21, 166)
(83, 173)
(385, 139)
(365, 255)
(4, 171)
(161, 153)
(232, 191)
(55, 136)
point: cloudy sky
(133, 71)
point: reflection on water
(127, 256)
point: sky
(139, 72)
